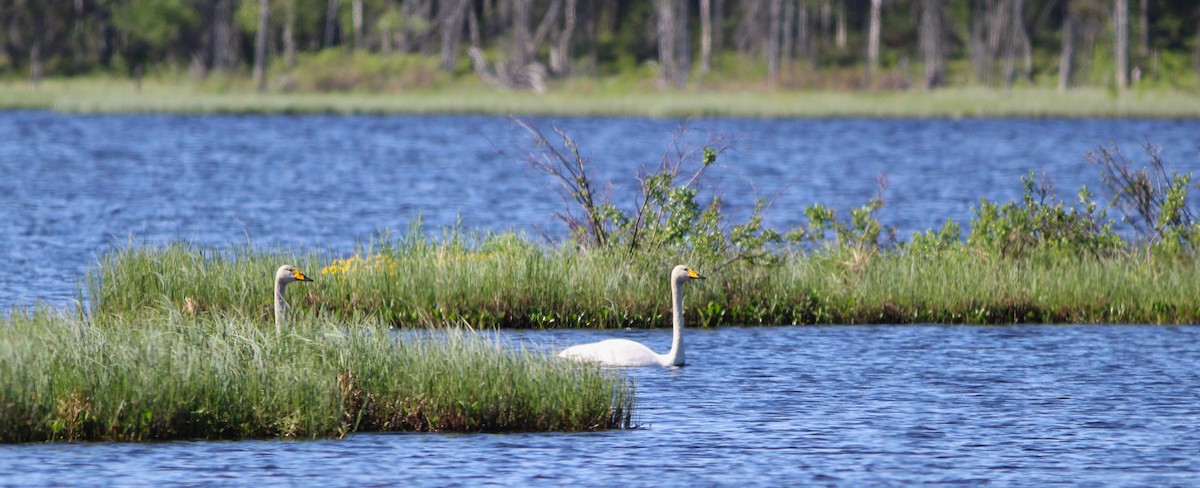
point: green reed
(507, 281)
(226, 377)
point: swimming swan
(286, 274)
(624, 352)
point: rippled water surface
(846, 406)
(836, 405)
(74, 186)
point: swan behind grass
(284, 275)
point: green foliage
(156, 22)
(669, 216)
(862, 232)
(933, 242)
(154, 28)
(334, 70)
(1041, 224)
(1152, 199)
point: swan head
(683, 273)
(288, 273)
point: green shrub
(1042, 224)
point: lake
(808, 405)
(830, 405)
(76, 185)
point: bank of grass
(508, 281)
(167, 376)
(590, 98)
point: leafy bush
(669, 214)
(1153, 200)
(1042, 223)
(862, 233)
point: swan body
(627, 353)
(284, 275)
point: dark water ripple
(824, 406)
(72, 186)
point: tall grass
(114, 95)
(507, 281)
(226, 377)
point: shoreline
(117, 96)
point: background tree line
(526, 43)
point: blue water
(73, 186)
(826, 406)
(837, 406)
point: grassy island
(227, 377)
(1040, 259)
(508, 281)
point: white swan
(624, 352)
(286, 274)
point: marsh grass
(117, 95)
(506, 280)
(227, 377)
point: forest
(396, 45)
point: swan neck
(280, 306)
(676, 356)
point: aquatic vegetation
(227, 377)
(1039, 259)
(508, 281)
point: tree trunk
(1016, 39)
(356, 20)
(873, 42)
(451, 29)
(718, 19)
(473, 25)
(521, 34)
(260, 45)
(930, 43)
(35, 62)
(1068, 47)
(1025, 44)
(804, 41)
(1144, 28)
(289, 34)
(706, 36)
(840, 36)
(683, 43)
(543, 29)
(673, 41)
(1121, 50)
(666, 40)
(560, 54)
(771, 48)
(786, 52)
(331, 23)
(1196, 56)
(977, 45)
(998, 37)
(224, 52)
